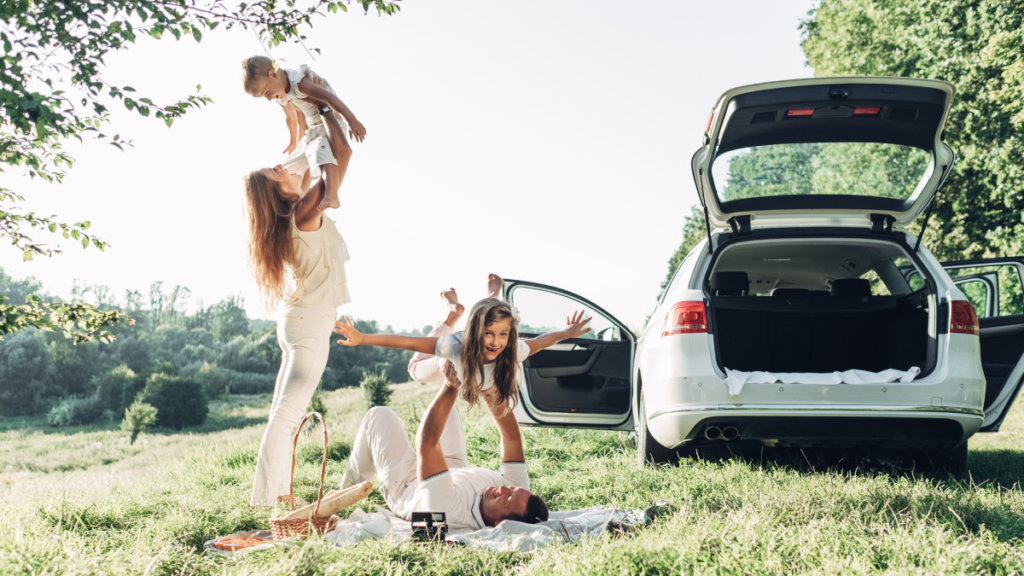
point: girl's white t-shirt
(450, 348)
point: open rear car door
(995, 286)
(580, 381)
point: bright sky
(546, 141)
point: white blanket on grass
(735, 379)
(561, 526)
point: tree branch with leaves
(53, 90)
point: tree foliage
(53, 90)
(43, 372)
(693, 230)
(26, 368)
(76, 320)
(977, 46)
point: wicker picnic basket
(284, 527)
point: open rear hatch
(824, 151)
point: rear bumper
(808, 426)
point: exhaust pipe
(730, 433)
(712, 433)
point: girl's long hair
(270, 235)
(485, 312)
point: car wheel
(649, 450)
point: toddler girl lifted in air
(302, 90)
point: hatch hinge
(882, 223)
(740, 224)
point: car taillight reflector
(867, 110)
(963, 319)
(686, 317)
(711, 117)
(800, 112)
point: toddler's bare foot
(329, 202)
(493, 285)
(455, 309)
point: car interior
(817, 306)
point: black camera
(428, 526)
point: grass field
(76, 502)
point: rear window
(783, 266)
(869, 169)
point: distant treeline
(165, 356)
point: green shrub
(250, 382)
(117, 388)
(212, 379)
(179, 402)
(76, 410)
(216, 381)
(138, 418)
(316, 404)
(376, 389)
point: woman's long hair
(270, 235)
(485, 312)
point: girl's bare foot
(494, 285)
(329, 202)
(455, 309)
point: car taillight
(686, 317)
(963, 319)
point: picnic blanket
(510, 535)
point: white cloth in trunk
(736, 379)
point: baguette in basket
(333, 502)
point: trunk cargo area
(820, 332)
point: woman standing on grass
(298, 258)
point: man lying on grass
(437, 477)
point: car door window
(541, 311)
(994, 290)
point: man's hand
(451, 375)
(352, 337)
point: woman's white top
(319, 268)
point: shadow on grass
(984, 498)
(219, 424)
(1001, 468)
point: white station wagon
(810, 316)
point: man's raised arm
(429, 454)
(508, 427)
